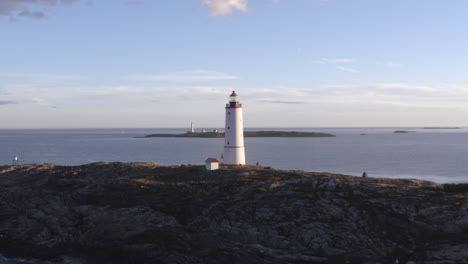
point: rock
(147, 213)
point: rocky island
(403, 131)
(147, 213)
(216, 134)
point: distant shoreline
(246, 134)
(442, 128)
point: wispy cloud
(334, 60)
(52, 90)
(389, 64)
(190, 76)
(42, 76)
(69, 92)
(367, 101)
(42, 102)
(225, 7)
(405, 87)
(8, 102)
(347, 69)
(377, 94)
(35, 9)
(282, 102)
(338, 62)
(34, 14)
(36, 88)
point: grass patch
(461, 197)
(146, 181)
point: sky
(294, 63)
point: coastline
(370, 153)
(148, 213)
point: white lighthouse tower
(234, 152)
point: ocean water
(439, 155)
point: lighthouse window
(228, 143)
(229, 113)
(229, 127)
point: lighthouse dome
(233, 98)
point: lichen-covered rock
(146, 213)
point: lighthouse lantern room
(234, 152)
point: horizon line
(262, 127)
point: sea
(436, 154)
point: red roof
(211, 160)
(233, 93)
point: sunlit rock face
(146, 213)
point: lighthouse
(234, 152)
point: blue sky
(294, 63)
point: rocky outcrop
(146, 213)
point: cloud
(389, 64)
(396, 92)
(405, 87)
(42, 102)
(190, 76)
(347, 69)
(188, 88)
(282, 102)
(42, 76)
(38, 9)
(334, 60)
(34, 15)
(7, 102)
(29, 8)
(225, 7)
(371, 102)
(67, 92)
(394, 95)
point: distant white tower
(192, 128)
(234, 152)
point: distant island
(216, 134)
(403, 131)
(441, 128)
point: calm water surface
(433, 154)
